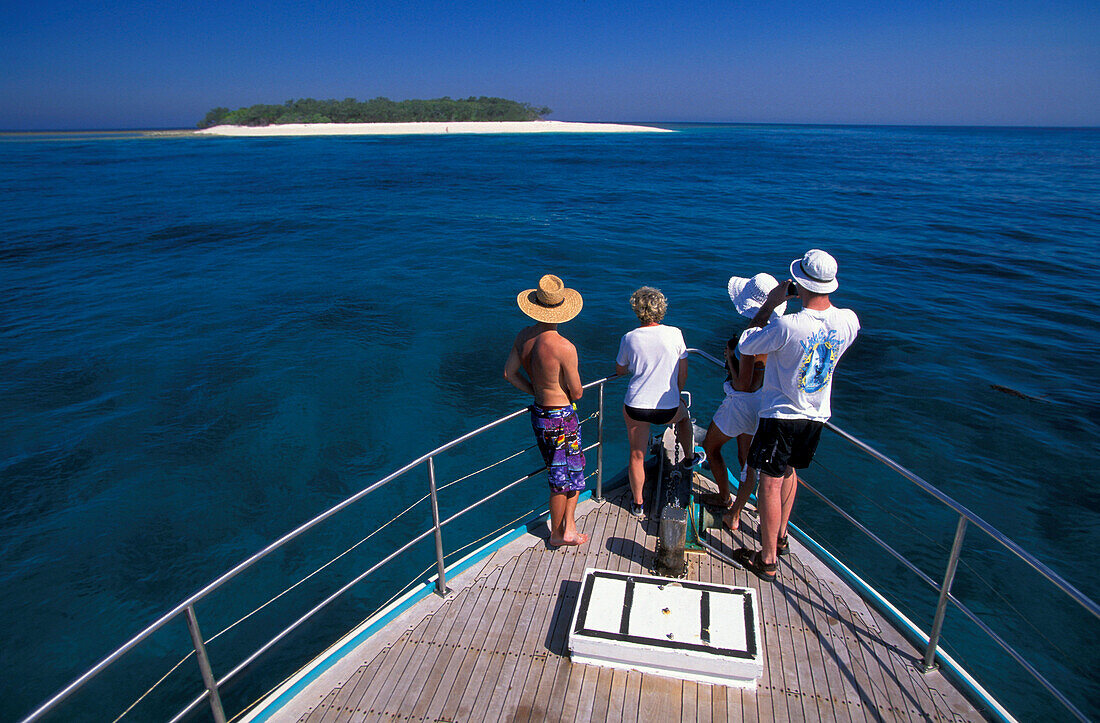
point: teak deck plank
(555, 677)
(805, 624)
(394, 659)
(601, 709)
(455, 644)
(827, 626)
(374, 669)
(632, 701)
(410, 656)
(617, 700)
(335, 701)
(488, 642)
(321, 708)
(878, 662)
(477, 629)
(500, 642)
(529, 705)
(537, 568)
(660, 699)
(865, 667)
(689, 707)
(420, 668)
(497, 649)
(796, 668)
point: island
(382, 116)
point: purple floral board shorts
(558, 432)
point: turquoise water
(206, 341)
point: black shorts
(782, 443)
(653, 416)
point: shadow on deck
(496, 648)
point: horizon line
(806, 124)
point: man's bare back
(550, 361)
(543, 363)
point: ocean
(207, 341)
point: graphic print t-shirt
(802, 350)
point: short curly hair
(649, 304)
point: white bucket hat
(816, 272)
(748, 295)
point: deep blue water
(204, 342)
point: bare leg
(712, 445)
(732, 519)
(557, 515)
(570, 521)
(637, 433)
(563, 525)
(744, 444)
(744, 491)
(790, 487)
(770, 506)
(684, 433)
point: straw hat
(748, 295)
(551, 302)
(815, 271)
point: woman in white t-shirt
(657, 357)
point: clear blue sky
(75, 64)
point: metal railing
(965, 519)
(213, 684)
(186, 608)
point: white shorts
(738, 414)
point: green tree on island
(378, 110)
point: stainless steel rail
(186, 607)
(966, 517)
(211, 685)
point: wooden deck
(496, 648)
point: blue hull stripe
(427, 587)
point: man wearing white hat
(803, 350)
(553, 379)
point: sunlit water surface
(204, 342)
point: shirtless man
(543, 363)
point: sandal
(714, 499)
(697, 460)
(750, 560)
(783, 546)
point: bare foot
(716, 499)
(580, 539)
(732, 520)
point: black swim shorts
(782, 443)
(653, 416)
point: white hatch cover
(679, 628)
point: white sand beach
(394, 129)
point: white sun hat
(748, 295)
(816, 272)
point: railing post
(599, 449)
(441, 582)
(204, 665)
(929, 663)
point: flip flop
(750, 560)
